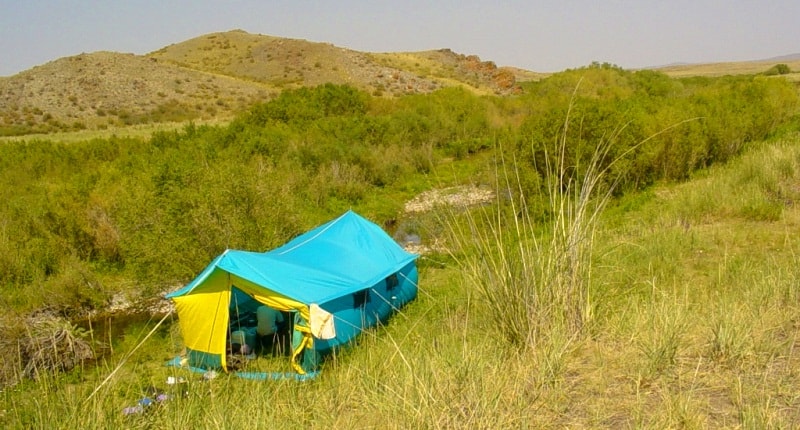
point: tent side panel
(406, 290)
(203, 360)
(349, 319)
(353, 313)
(203, 317)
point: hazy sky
(543, 36)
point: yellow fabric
(307, 342)
(203, 315)
(270, 298)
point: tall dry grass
(534, 276)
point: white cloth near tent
(321, 323)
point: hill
(106, 89)
(281, 63)
(732, 68)
(215, 75)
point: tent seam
(330, 224)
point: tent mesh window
(360, 298)
(391, 282)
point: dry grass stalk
(52, 345)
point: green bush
(155, 211)
(778, 69)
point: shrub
(778, 69)
(53, 345)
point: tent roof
(340, 257)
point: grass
(694, 325)
(143, 131)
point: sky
(541, 36)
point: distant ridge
(778, 59)
(790, 57)
(677, 64)
(731, 67)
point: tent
(331, 282)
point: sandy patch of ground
(461, 196)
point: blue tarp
(337, 258)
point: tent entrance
(244, 326)
(291, 338)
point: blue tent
(333, 282)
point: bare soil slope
(105, 89)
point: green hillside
(637, 266)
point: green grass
(141, 131)
(694, 325)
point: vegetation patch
(51, 345)
(659, 293)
